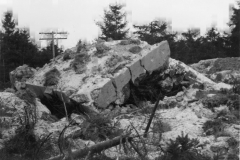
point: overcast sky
(78, 17)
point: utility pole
(1, 54)
(1, 57)
(53, 38)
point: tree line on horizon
(189, 47)
(17, 48)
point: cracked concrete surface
(101, 88)
(153, 60)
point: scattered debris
(108, 103)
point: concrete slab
(136, 69)
(122, 79)
(104, 96)
(157, 57)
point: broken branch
(160, 97)
(96, 148)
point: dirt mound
(225, 70)
(127, 86)
(215, 65)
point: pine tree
(26, 47)
(192, 41)
(8, 23)
(154, 32)
(113, 25)
(9, 37)
(81, 46)
(213, 44)
(234, 25)
(17, 47)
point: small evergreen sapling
(183, 148)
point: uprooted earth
(122, 100)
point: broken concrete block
(123, 95)
(21, 73)
(136, 69)
(38, 90)
(104, 96)
(68, 92)
(166, 84)
(156, 58)
(13, 108)
(81, 98)
(118, 68)
(121, 79)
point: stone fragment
(123, 95)
(166, 84)
(120, 83)
(21, 73)
(105, 95)
(157, 57)
(69, 92)
(41, 109)
(14, 107)
(81, 98)
(237, 127)
(111, 85)
(121, 79)
(136, 70)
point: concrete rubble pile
(107, 86)
(220, 69)
(107, 80)
(117, 77)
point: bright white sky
(77, 16)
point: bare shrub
(130, 41)
(113, 60)
(135, 41)
(79, 62)
(24, 144)
(101, 49)
(135, 49)
(161, 127)
(99, 128)
(125, 42)
(215, 101)
(52, 77)
(66, 56)
(213, 127)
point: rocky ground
(200, 101)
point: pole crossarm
(50, 38)
(53, 38)
(53, 33)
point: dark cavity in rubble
(55, 100)
(149, 86)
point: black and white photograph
(119, 79)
